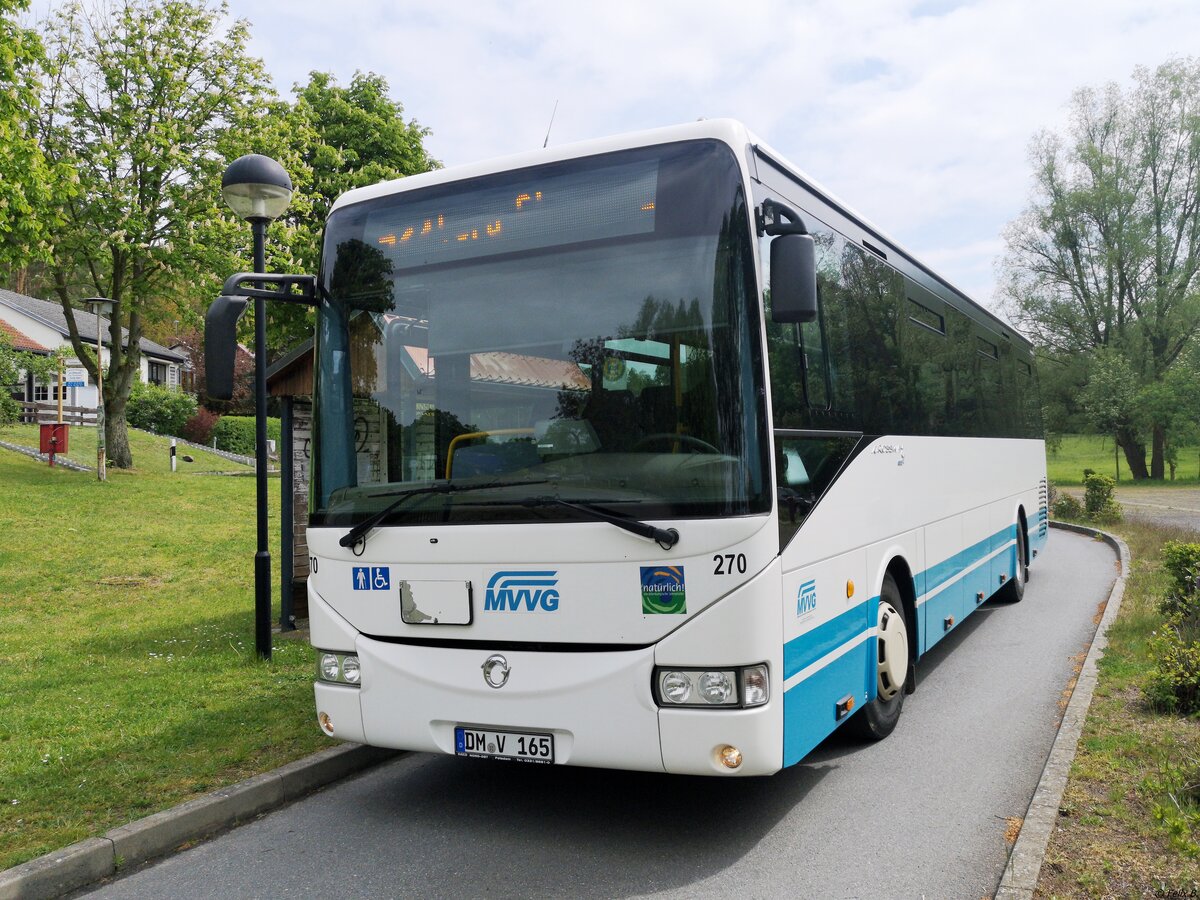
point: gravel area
(1178, 506)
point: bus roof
(728, 131)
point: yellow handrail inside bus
(478, 434)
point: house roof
(22, 341)
(50, 314)
(498, 367)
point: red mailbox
(54, 437)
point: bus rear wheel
(1014, 589)
(878, 719)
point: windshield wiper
(665, 537)
(359, 531)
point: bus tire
(1013, 590)
(877, 719)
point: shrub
(1099, 504)
(235, 434)
(158, 409)
(1181, 560)
(1067, 507)
(199, 427)
(1175, 648)
(1179, 784)
(9, 410)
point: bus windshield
(583, 331)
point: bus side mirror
(220, 344)
(793, 278)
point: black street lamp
(258, 190)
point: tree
(337, 138)
(242, 400)
(1107, 254)
(12, 363)
(145, 102)
(29, 186)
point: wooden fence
(48, 412)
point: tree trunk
(1157, 452)
(116, 436)
(1135, 453)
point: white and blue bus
(648, 453)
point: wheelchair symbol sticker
(371, 578)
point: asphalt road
(921, 814)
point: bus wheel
(878, 718)
(1014, 589)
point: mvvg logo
(532, 591)
(806, 598)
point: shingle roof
(50, 313)
(22, 341)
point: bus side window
(816, 374)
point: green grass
(151, 453)
(1077, 452)
(1109, 841)
(128, 677)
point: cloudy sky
(918, 113)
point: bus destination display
(608, 202)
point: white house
(43, 323)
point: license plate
(522, 746)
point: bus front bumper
(598, 707)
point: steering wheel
(698, 445)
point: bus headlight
(716, 687)
(676, 687)
(708, 688)
(329, 667)
(339, 668)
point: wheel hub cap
(893, 651)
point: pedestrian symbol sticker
(371, 578)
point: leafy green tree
(1107, 254)
(145, 102)
(29, 186)
(1110, 398)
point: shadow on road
(556, 831)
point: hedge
(235, 434)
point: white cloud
(917, 112)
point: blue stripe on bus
(803, 651)
(947, 569)
(809, 708)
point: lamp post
(101, 306)
(258, 190)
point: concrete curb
(80, 864)
(1025, 862)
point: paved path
(923, 813)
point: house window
(43, 393)
(157, 373)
